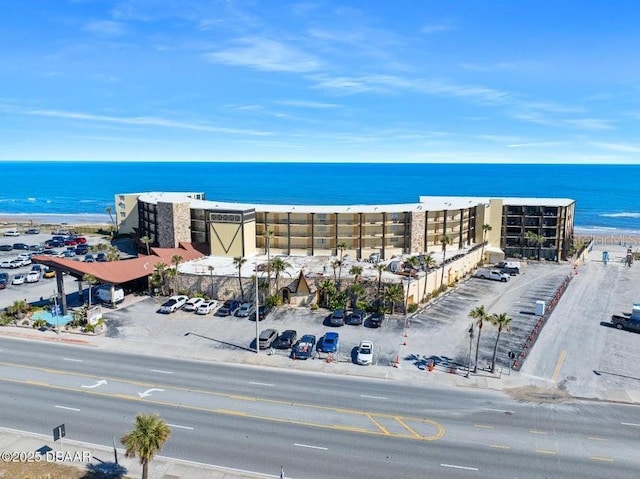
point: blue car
(330, 343)
(228, 308)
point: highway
(315, 425)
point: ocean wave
(621, 215)
(31, 198)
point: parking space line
(556, 371)
(593, 438)
(499, 446)
(546, 451)
(599, 458)
(535, 431)
(483, 426)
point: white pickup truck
(493, 274)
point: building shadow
(237, 346)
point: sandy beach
(35, 220)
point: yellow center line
(382, 428)
(483, 426)
(499, 446)
(556, 371)
(535, 431)
(598, 458)
(404, 425)
(546, 451)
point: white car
(18, 279)
(33, 276)
(193, 304)
(25, 259)
(245, 310)
(6, 264)
(12, 233)
(206, 307)
(365, 353)
(173, 304)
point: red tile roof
(118, 272)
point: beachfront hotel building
(363, 231)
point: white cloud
(105, 28)
(621, 147)
(267, 55)
(590, 124)
(307, 104)
(536, 144)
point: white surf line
(68, 408)
(72, 360)
(179, 426)
(453, 466)
(310, 446)
(261, 384)
(160, 371)
(630, 424)
(372, 397)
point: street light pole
(257, 313)
(470, 345)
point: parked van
(103, 293)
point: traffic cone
(404, 343)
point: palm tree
(341, 247)
(146, 439)
(412, 262)
(159, 276)
(278, 265)
(536, 239)
(146, 240)
(356, 271)
(480, 315)
(429, 263)
(90, 280)
(445, 242)
(392, 294)
(380, 268)
(327, 291)
(485, 229)
(358, 291)
(335, 265)
(176, 259)
(502, 322)
(238, 261)
(211, 268)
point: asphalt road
(314, 425)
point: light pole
(470, 345)
(257, 313)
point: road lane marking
(498, 410)
(260, 384)
(483, 426)
(309, 446)
(535, 431)
(630, 424)
(406, 426)
(453, 466)
(499, 446)
(68, 408)
(382, 428)
(556, 371)
(593, 438)
(180, 427)
(97, 384)
(372, 397)
(546, 451)
(599, 458)
(160, 371)
(72, 360)
(149, 391)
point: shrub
(90, 328)
(412, 308)
(39, 323)
(314, 307)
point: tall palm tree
(327, 291)
(480, 315)
(159, 276)
(392, 294)
(211, 268)
(278, 265)
(146, 439)
(485, 229)
(356, 271)
(340, 247)
(176, 259)
(146, 240)
(536, 239)
(238, 261)
(380, 268)
(412, 262)
(335, 265)
(358, 291)
(90, 280)
(503, 323)
(429, 262)
(446, 241)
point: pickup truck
(303, 349)
(493, 274)
(625, 322)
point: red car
(80, 239)
(70, 242)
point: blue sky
(359, 81)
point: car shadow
(354, 355)
(251, 348)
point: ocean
(606, 196)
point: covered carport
(121, 273)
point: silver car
(245, 310)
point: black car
(356, 317)
(263, 312)
(376, 320)
(286, 340)
(32, 231)
(6, 247)
(37, 248)
(21, 246)
(101, 257)
(4, 280)
(82, 249)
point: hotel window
(121, 197)
(123, 214)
